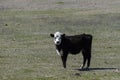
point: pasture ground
(27, 52)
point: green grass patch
(27, 51)
(60, 2)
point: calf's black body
(75, 44)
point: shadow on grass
(96, 69)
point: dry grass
(27, 52)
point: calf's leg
(64, 59)
(88, 63)
(84, 59)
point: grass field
(27, 51)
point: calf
(73, 44)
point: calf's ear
(63, 35)
(52, 35)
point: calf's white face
(57, 38)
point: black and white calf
(73, 44)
